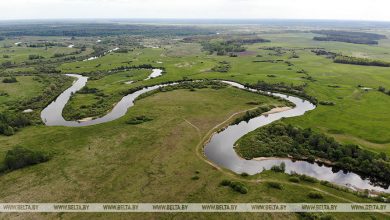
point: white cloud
(307, 9)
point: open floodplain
(155, 152)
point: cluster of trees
(360, 61)
(222, 47)
(283, 88)
(141, 66)
(97, 74)
(45, 44)
(10, 80)
(183, 84)
(252, 114)
(11, 122)
(57, 55)
(44, 68)
(248, 40)
(383, 90)
(88, 90)
(321, 52)
(283, 140)
(122, 50)
(349, 37)
(268, 61)
(20, 157)
(278, 51)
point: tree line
(348, 37)
(283, 88)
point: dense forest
(281, 140)
(98, 29)
(349, 37)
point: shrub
(294, 179)
(10, 80)
(138, 120)
(281, 168)
(327, 103)
(236, 186)
(239, 187)
(244, 174)
(20, 157)
(315, 195)
(308, 179)
(225, 182)
(275, 185)
(34, 57)
(195, 177)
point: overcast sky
(298, 9)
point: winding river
(220, 148)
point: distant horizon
(348, 10)
(194, 20)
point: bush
(294, 179)
(281, 168)
(308, 179)
(20, 157)
(244, 174)
(138, 120)
(10, 80)
(34, 57)
(327, 103)
(275, 185)
(236, 186)
(315, 195)
(239, 187)
(225, 182)
(195, 177)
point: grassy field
(25, 88)
(353, 119)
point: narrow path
(196, 128)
